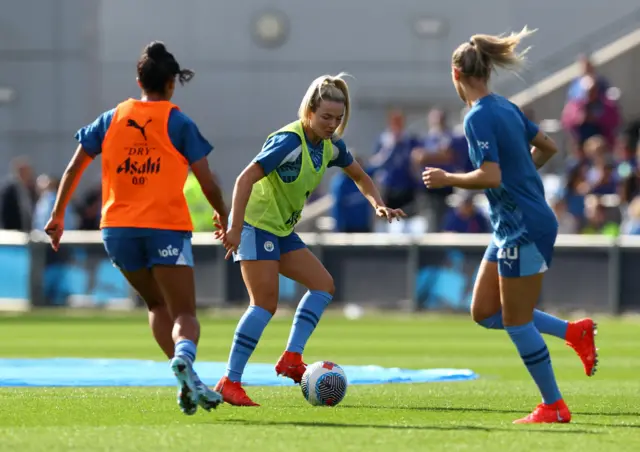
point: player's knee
(271, 308)
(324, 284)
(155, 305)
(486, 318)
(330, 286)
(267, 301)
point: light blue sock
(306, 319)
(535, 355)
(186, 349)
(248, 332)
(545, 323)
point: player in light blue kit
(509, 281)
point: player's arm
(483, 148)
(274, 152)
(364, 183)
(242, 191)
(90, 140)
(188, 140)
(544, 148)
(343, 159)
(210, 186)
(487, 176)
(70, 179)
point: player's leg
(171, 260)
(160, 319)
(258, 255)
(299, 264)
(129, 256)
(487, 312)
(521, 272)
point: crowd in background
(598, 193)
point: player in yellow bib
(268, 199)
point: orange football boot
(233, 393)
(291, 366)
(581, 337)
(557, 412)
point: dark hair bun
(156, 50)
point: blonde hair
(482, 54)
(331, 88)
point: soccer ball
(324, 384)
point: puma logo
(509, 263)
(135, 125)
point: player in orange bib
(147, 148)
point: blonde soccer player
(524, 227)
(268, 199)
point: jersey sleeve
(530, 127)
(483, 146)
(186, 137)
(341, 155)
(276, 149)
(91, 136)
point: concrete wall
(76, 58)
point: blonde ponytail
(483, 53)
(332, 88)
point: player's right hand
(231, 241)
(220, 223)
(54, 229)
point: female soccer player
(147, 147)
(524, 227)
(267, 203)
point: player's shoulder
(477, 116)
(283, 142)
(339, 143)
(179, 117)
(107, 115)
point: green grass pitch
(462, 416)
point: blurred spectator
(18, 196)
(597, 221)
(576, 189)
(435, 150)
(590, 115)
(567, 223)
(632, 224)
(577, 90)
(90, 209)
(466, 218)
(601, 175)
(47, 188)
(628, 171)
(391, 164)
(350, 210)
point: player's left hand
(390, 214)
(435, 178)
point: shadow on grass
(478, 428)
(483, 410)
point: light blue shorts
(259, 245)
(522, 260)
